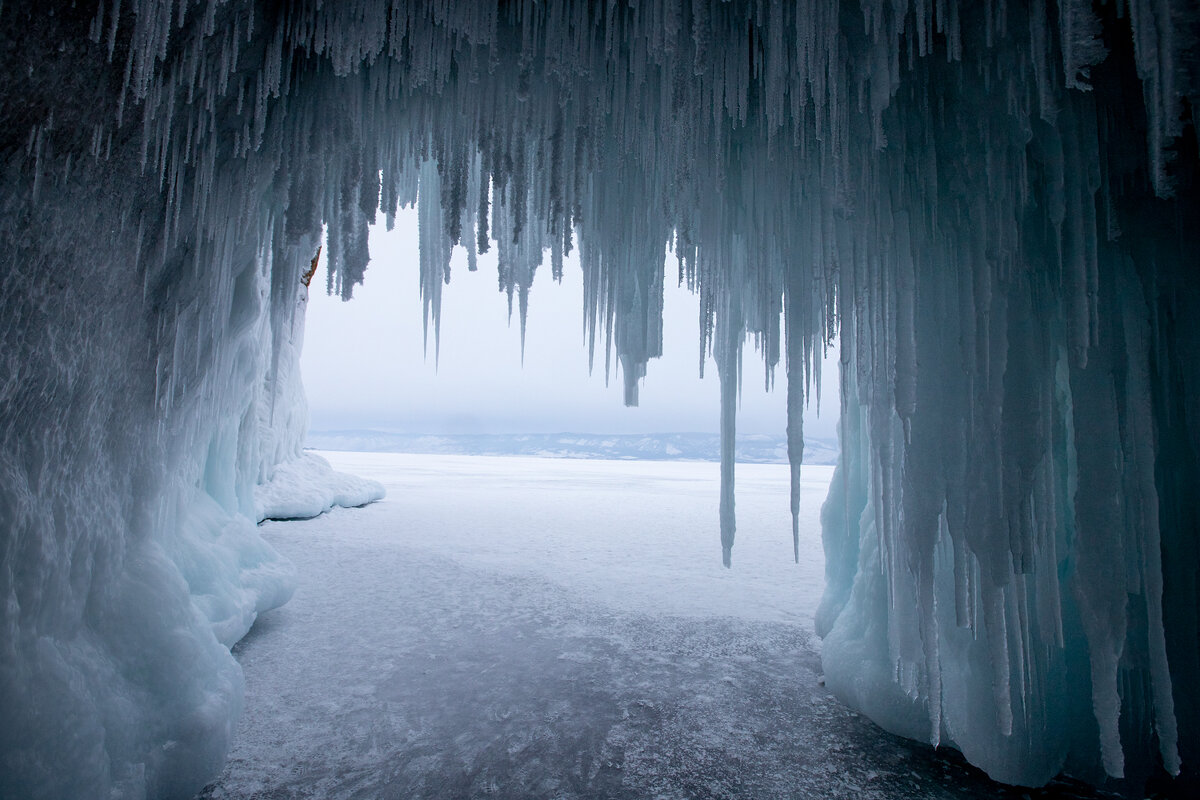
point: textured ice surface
(422, 657)
(306, 486)
(660, 562)
(993, 202)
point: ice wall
(994, 202)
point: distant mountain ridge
(751, 448)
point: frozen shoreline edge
(307, 486)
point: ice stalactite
(992, 203)
(727, 350)
(795, 446)
(434, 254)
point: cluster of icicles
(976, 195)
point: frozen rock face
(994, 203)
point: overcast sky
(364, 367)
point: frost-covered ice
(484, 632)
(636, 535)
(306, 486)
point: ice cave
(993, 203)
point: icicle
(728, 354)
(434, 253)
(797, 363)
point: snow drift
(994, 203)
(306, 486)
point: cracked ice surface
(475, 653)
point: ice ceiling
(995, 203)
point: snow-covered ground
(307, 486)
(541, 628)
(639, 536)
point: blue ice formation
(994, 203)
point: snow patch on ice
(307, 486)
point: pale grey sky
(363, 364)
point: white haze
(364, 365)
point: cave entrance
(644, 481)
(503, 618)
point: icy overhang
(994, 204)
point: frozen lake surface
(543, 628)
